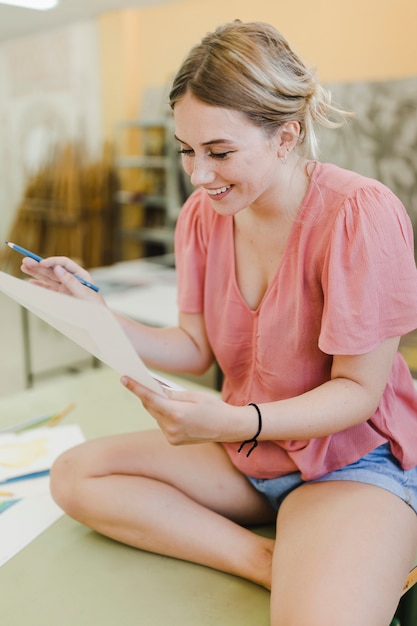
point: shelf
(150, 168)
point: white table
(143, 290)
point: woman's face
(233, 160)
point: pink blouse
(347, 281)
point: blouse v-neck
(290, 239)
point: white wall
(49, 92)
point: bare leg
(187, 502)
(343, 552)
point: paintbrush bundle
(99, 186)
(67, 209)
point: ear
(287, 135)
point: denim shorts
(379, 468)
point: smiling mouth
(216, 192)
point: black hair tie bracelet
(254, 439)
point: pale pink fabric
(346, 282)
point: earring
(285, 157)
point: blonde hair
(250, 67)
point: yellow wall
(344, 40)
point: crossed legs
(186, 502)
(343, 549)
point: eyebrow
(208, 143)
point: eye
(213, 155)
(220, 155)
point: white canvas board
(90, 325)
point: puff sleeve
(369, 276)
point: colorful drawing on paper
(33, 450)
(6, 504)
(26, 505)
(19, 457)
(23, 454)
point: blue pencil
(29, 476)
(38, 258)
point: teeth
(215, 192)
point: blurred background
(88, 166)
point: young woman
(299, 278)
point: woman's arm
(350, 397)
(184, 348)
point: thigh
(345, 549)
(204, 472)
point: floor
(52, 354)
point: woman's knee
(73, 473)
(67, 473)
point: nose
(201, 172)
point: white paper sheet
(33, 509)
(23, 522)
(90, 325)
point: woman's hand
(187, 417)
(57, 274)
(350, 398)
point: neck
(286, 197)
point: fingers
(72, 285)
(34, 268)
(156, 405)
(147, 395)
(143, 393)
(65, 262)
(49, 263)
(58, 274)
